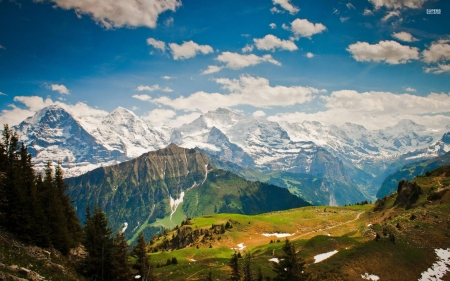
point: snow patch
(324, 256)
(275, 260)
(125, 225)
(174, 203)
(278, 235)
(368, 276)
(439, 268)
(206, 173)
(240, 247)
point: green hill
(161, 188)
(409, 171)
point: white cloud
(344, 19)
(238, 61)
(285, 4)
(60, 89)
(390, 15)
(271, 42)
(2, 48)
(275, 10)
(246, 90)
(304, 28)
(134, 108)
(438, 51)
(157, 44)
(390, 52)
(159, 117)
(142, 97)
(34, 103)
(368, 12)
(404, 36)
(169, 21)
(285, 26)
(118, 13)
(376, 110)
(398, 4)
(309, 55)
(153, 88)
(189, 50)
(247, 48)
(2, 94)
(350, 6)
(440, 68)
(409, 89)
(272, 25)
(259, 113)
(167, 77)
(212, 69)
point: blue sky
(372, 62)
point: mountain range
(350, 161)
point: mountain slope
(410, 171)
(169, 184)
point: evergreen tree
(290, 268)
(247, 267)
(142, 264)
(209, 277)
(260, 276)
(234, 264)
(98, 244)
(121, 269)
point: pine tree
(121, 269)
(98, 243)
(260, 276)
(209, 277)
(234, 264)
(142, 264)
(290, 268)
(247, 267)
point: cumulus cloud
(368, 12)
(438, 51)
(438, 69)
(167, 77)
(285, 4)
(189, 50)
(398, 4)
(238, 61)
(142, 97)
(376, 110)
(350, 6)
(272, 25)
(390, 15)
(344, 19)
(271, 42)
(285, 26)
(32, 104)
(246, 90)
(275, 10)
(59, 88)
(409, 89)
(156, 44)
(390, 52)
(160, 117)
(259, 113)
(305, 28)
(212, 69)
(155, 87)
(248, 48)
(118, 13)
(404, 36)
(309, 55)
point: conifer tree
(142, 264)
(121, 269)
(209, 277)
(247, 267)
(234, 264)
(260, 276)
(98, 243)
(290, 268)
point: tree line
(37, 210)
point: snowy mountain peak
(222, 118)
(409, 126)
(49, 115)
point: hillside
(408, 172)
(163, 187)
(366, 240)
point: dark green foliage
(408, 194)
(142, 265)
(99, 245)
(234, 265)
(35, 208)
(290, 267)
(209, 277)
(247, 267)
(121, 269)
(260, 276)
